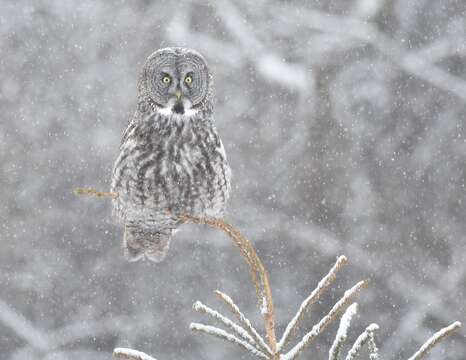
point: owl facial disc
(176, 80)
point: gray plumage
(171, 158)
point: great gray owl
(171, 159)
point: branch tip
(315, 295)
(435, 339)
(95, 193)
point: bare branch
(268, 63)
(369, 33)
(222, 334)
(23, 327)
(311, 299)
(342, 331)
(434, 340)
(367, 335)
(130, 354)
(325, 321)
(94, 192)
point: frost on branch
(366, 337)
(342, 332)
(437, 337)
(243, 320)
(222, 334)
(238, 330)
(312, 299)
(325, 321)
(248, 338)
(130, 354)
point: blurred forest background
(344, 122)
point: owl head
(176, 81)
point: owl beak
(178, 108)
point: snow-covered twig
(243, 320)
(436, 338)
(222, 334)
(311, 299)
(367, 335)
(342, 331)
(325, 321)
(130, 354)
(373, 349)
(238, 330)
(253, 342)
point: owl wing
(130, 127)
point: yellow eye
(166, 79)
(188, 79)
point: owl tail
(140, 241)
